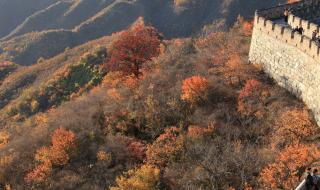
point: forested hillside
(136, 110)
(55, 25)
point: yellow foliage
(41, 119)
(4, 138)
(34, 105)
(104, 156)
(144, 178)
(5, 160)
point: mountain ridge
(103, 17)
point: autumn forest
(136, 110)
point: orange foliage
(133, 48)
(284, 172)
(234, 61)
(63, 145)
(196, 132)
(293, 126)
(112, 80)
(181, 3)
(250, 88)
(167, 147)
(178, 42)
(114, 94)
(43, 155)
(246, 26)
(39, 174)
(194, 89)
(292, 1)
(252, 97)
(6, 63)
(131, 82)
(247, 187)
(219, 57)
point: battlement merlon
(291, 59)
(263, 22)
(299, 8)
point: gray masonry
(292, 59)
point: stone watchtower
(289, 57)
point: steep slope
(24, 78)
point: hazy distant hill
(14, 12)
(65, 24)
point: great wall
(291, 59)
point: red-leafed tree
(252, 97)
(134, 47)
(285, 172)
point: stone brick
(292, 60)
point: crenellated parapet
(277, 11)
(306, 15)
(286, 35)
(265, 22)
(308, 25)
(291, 59)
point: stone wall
(286, 35)
(301, 13)
(291, 59)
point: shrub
(293, 126)
(137, 150)
(252, 97)
(194, 89)
(286, 171)
(63, 145)
(39, 174)
(167, 148)
(4, 138)
(146, 177)
(199, 132)
(104, 156)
